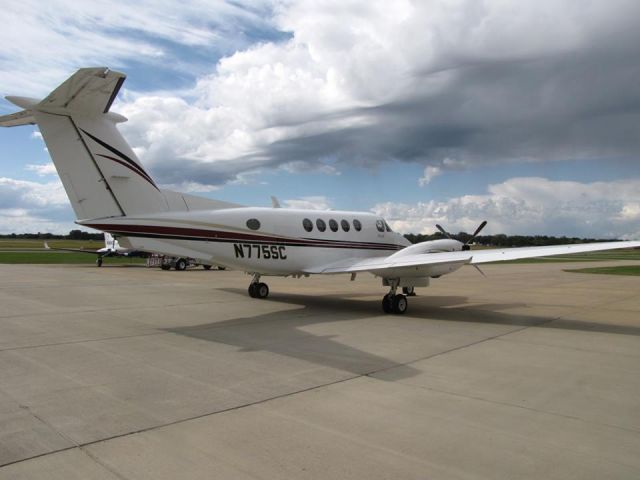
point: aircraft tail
(100, 172)
(109, 241)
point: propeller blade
(443, 231)
(478, 268)
(480, 227)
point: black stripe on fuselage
(283, 242)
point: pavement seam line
(73, 342)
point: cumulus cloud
(32, 206)
(310, 203)
(529, 206)
(42, 169)
(478, 82)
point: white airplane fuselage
(278, 245)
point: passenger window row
(307, 224)
(333, 225)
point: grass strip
(619, 270)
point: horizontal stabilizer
(89, 92)
(24, 117)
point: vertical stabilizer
(100, 172)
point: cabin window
(253, 223)
(387, 227)
(307, 224)
(321, 225)
(380, 225)
(357, 225)
(345, 225)
(333, 225)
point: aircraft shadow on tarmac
(283, 332)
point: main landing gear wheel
(259, 290)
(394, 303)
(400, 304)
(99, 262)
(206, 267)
(181, 264)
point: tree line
(499, 240)
(502, 240)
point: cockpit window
(253, 224)
(387, 227)
(380, 225)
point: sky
(525, 114)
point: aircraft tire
(387, 303)
(165, 266)
(400, 304)
(252, 290)
(262, 290)
(206, 267)
(99, 262)
(181, 264)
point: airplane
(111, 249)
(110, 190)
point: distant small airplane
(111, 249)
(109, 190)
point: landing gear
(181, 264)
(258, 289)
(99, 262)
(206, 267)
(400, 304)
(393, 302)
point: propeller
(443, 231)
(467, 245)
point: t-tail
(110, 243)
(100, 172)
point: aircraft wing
(78, 250)
(415, 265)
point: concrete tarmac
(124, 372)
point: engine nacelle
(430, 246)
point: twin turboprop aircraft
(110, 190)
